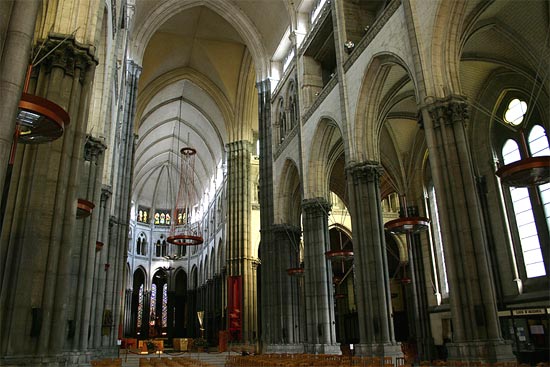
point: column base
(285, 348)
(322, 348)
(379, 350)
(483, 351)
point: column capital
(67, 54)
(264, 85)
(286, 228)
(448, 111)
(369, 171)
(133, 68)
(316, 204)
(239, 145)
(93, 148)
(106, 192)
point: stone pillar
(320, 321)
(285, 311)
(40, 213)
(101, 258)
(170, 304)
(417, 300)
(146, 315)
(241, 259)
(17, 26)
(476, 329)
(371, 267)
(87, 228)
(192, 322)
(129, 328)
(123, 157)
(266, 203)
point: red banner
(234, 309)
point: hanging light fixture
(182, 231)
(295, 272)
(84, 208)
(407, 224)
(339, 255)
(525, 172)
(39, 120)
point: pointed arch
(323, 155)
(372, 107)
(289, 196)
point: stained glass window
(143, 214)
(140, 307)
(153, 302)
(165, 305)
(162, 217)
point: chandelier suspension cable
(533, 97)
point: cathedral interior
(298, 176)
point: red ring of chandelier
(526, 172)
(185, 240)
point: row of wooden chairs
(322, 360)
(172, 362)
(107, 362)
(452, 363)
(307, 360)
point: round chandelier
(182, 231)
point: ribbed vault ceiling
(195, 42)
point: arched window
(165, 305)
(282, 120)
(141, 244)
(164, 248)
(140, 307)
(441, 283)
(527, 208)
(293, 106)
(158, 249)
(152, 317)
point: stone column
(146, 315)
(192, 322)
(241, 260)
(123, 157)
(417, 299)
(320, 321)
(170, 304)
(285, 313)
(17, 26)
(101, 258)
(129, 326)
(87, 228)
(40, 213)
(371, 267)
(266, 203)
(476, 329)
